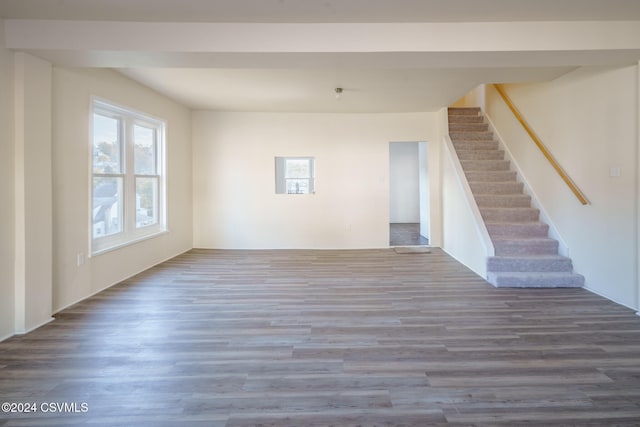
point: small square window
(295, 175)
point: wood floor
(327, 338)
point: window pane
(298, 168)
(297, 186)
(106, 145)
(145, 150)
(107, 206)
(146, 201)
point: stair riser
(468, 127)
(520, 248)
(501, 230)
(490, 201)
(480, 154)
(485, 165)
(465, 118)
(475, 145)
(464, 111)
(490, 176)
(565, 281)
(510, 214)
(472, 136)
(529, 264)
(496, 187)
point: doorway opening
(408, 194)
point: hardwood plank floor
(327, 338)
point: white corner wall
(72, 92)
(235, 205)
(589, 121)
(474, 98)
(32, 192)
(7, 206)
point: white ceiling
(312, 90)
(322, 10)
(299, 72)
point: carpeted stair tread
(491, 176)
(530, 263)
(464, 111)
(468, 144)
(535, 279)
(517, 229)
(525, 246)
(472, 136)
(485, 165)
(503, 200)
(468, 127)
(480, 154)
(465, 118)
(510, 214)
(486, 187)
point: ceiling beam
(322, 38)
(395, 45)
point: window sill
(128, 243)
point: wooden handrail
(565, 177)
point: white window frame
(282, 178)
(130, 232)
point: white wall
(33, 192)
(7, 206)
(72, 90)
(588, 120)
(475, 98)
(235, 205)
(404, 188)
(464, 235)
(425, 190)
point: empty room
(301, 213)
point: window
(295, 175)
(127, 163)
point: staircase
(524, 254)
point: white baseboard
(33, 328)
(611, 299)
(119, 281)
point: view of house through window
(295, 175)
(127, 190)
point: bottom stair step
(535, 280)
(540, 263)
